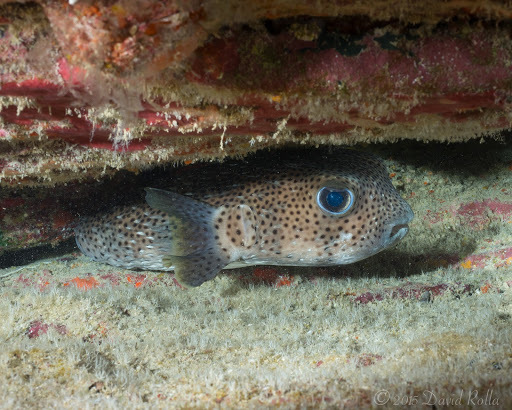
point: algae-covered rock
(88, 88)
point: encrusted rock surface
(93, 87)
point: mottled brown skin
(254, 215)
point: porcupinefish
(331, 210)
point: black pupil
(335, 199)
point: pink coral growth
(367, 359)
(475, 213)
(38, 328)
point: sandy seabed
(427, 323)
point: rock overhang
(90, 88)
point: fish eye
(335, 201)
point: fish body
(327, 210)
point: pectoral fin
(190, 221)
(194, 254)
(195, 269)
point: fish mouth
(397, 233)
(401, 226)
